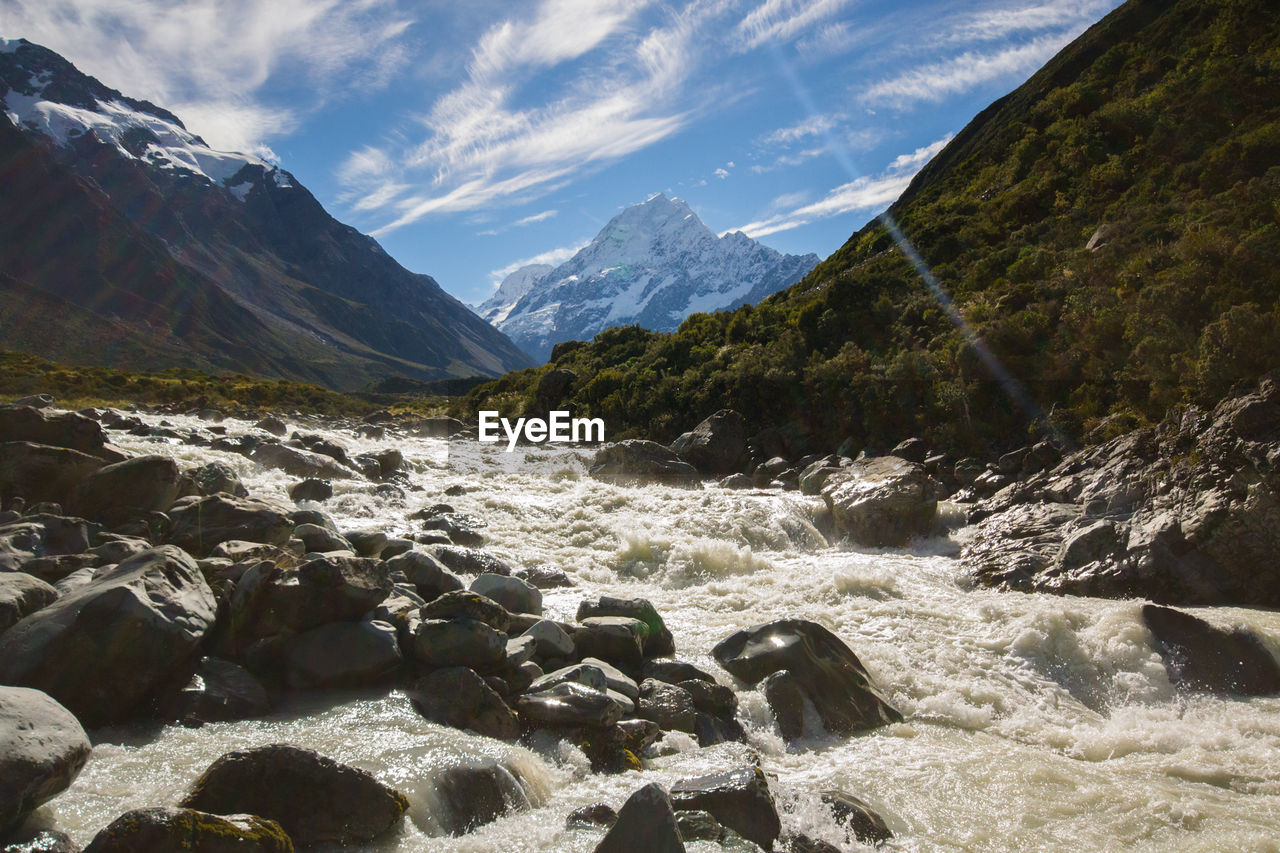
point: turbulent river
(1032, 721)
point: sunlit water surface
(1032, 721)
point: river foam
(1032, 721)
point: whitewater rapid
(1032, 721)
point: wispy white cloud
(537, 217)
(497, 138)
(869, 193)
(782, 20)
(554, 257)
(939, 80)
(214, 66)
(721, 173)
(812, 126)
(1001, 23)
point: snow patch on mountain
(496, 308)
(653, 264)
(135, 133)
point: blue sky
(472, 136)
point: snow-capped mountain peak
(48, 95)
(654, 264)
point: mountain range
(1097, 246)
(652, 265)
(129, 242)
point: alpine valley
(128, 242)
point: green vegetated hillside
(1160, 125)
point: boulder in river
(427, 574)
(569, 704)
(271, 599)
(198, 524)
(468, 604)
(1202, 657)
(881, 501)
(857, 818)
(646, 822)
(42, 535)
(740, 799)
(615, 639)
(104, 649)
(301, 463)
(637, 462)
(469, 561)
(824, 668)
(214, 477)
(56, 429)
(172, 828)
(128, 490)
(657, 640)
(217, 691)
(42, 750)
(472, 796)
(20, 595)
(316, 799)
(342, 654)
(667, 705)
(458, 697)
(718, 445)
(457, 642)
(38, 472)
(514, 594)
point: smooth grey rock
(469, 561)
(637, 462)
(218, 691)
(718, 445)
(198, 524)
(42, 750)
(569, 704)
(301, 463)
(552, 641)
(320, 539)
(474, 796)
(1202, 657)
(271, 600)
(342, 654)
(615, 639)
(826, 670)
(316, 799)
(521, 649)
(128, 490)
(579, 673)
(513, 594)
(646, 822)
(458, 642)
(665, 704)
(311, 489)
(615, 679)
(40, 473)
(458, 697)
(20, 595)
(41, 535)
(657, 639)
(72, 649)
(881, 501)
(858, 818)
(56, 429)
(740, 799)
(594, 815)
(426, 573)
(467, 604)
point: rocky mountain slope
(496, 308)
(1107, 232)
(653, 265)
(129, 242)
